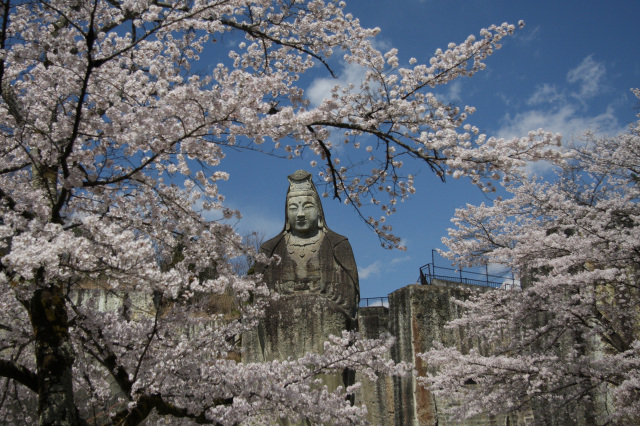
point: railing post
(486, 269)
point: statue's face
(303, 212)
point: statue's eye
(309, 205)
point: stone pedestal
(295, 325)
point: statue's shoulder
(343, 254)
(268, 247)
(336, 238)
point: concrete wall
(377, 396)
(416, 316)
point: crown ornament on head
(300, 182)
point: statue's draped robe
(319, 295)
(328, 270)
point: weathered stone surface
(324, 267)
(373, 321)
(418, 315)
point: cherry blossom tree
(111, 151)
(567, 343)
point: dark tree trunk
(54, 357)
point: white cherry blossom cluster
(569, 337)
(111, 151)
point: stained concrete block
(376, 395)
(417, 318)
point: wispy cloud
(528, 35)
(546, 94)
(452, 93)
(350, 73)
(380, 266)
(369, 271)
(382, 302)
(320, 88)
(589, 75)
(561, 109)
(565, 119)
(254, 219)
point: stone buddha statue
(314, 259)
(317, 280)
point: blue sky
(570, 69)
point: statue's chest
(305, 261)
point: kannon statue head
(303, 211)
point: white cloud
(565, 120)
(320, 88)
(382, 301)
(368, 271)
(546, 93)
(257, 222)
(528, 35)
(379, 266)
(453, 94)
(557, 114)
(589, 74)
(400, 259)
(498, 270)
(560, 110)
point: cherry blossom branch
(253, 31)
(146, 403)
(20, 373)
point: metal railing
(479, 276)
(374, 301)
